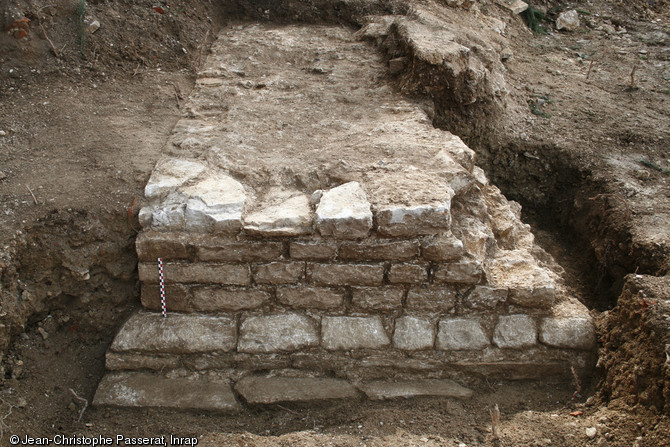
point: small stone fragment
(568, 20)
(591, 432)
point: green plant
(81, 25)
(533, 16)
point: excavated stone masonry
(322, 240)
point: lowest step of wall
(322, 240)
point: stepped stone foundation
(322, 240)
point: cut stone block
(238, 251)
(169, 216)
(214, 204)
(314, 251)
(570, 333)
(529, 285)
(291, 217)
(461, 334)
(279, 273)
(515, 331)
(515, 6)
(485, 297)
(413, 333)
(344, 212)
(343, 333)
(169, 174)
(151, 245)
(409, 221)
(380, 251)
(382, 390)
(179, 297)
(115, 361)
(346, 274)
(217, 299)
(134, 389)
(432, 298)
(465, 272)
(236, 275)
(270, 390)
(443, 248)
(310, 297)
(276, 333)
(178, 333)
(408, 274)
(377, 298)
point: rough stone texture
(214, 204)
(485, 297)
(346, 274)
(239, 251)
(279, 273)
(344, 212)
(408, 274)
(570, 333)
(314, 251)
(465, 272)
(568, 20)
(412, 333)
(432, 298)
(382, 390)
(515, 331)
(528, 283)
(275, 333)
(409, 221)
(237, 275)
(217, 299)
(310, 297)
(178, 333)
(343, 333)
(516, 6)
(270, 390)
(461, 334)
(443, 248)
(178, 297)
(379, 251)
(377, 298)
(169, 174)
(134, 389)
(151, 245)
(290, 217)
(129, 361)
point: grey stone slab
(135, 389)
(461, 334)
(432, 298)
(310, 297)
(515, 331)
(313, 250)
(377, 298)
(178, 333)
(411, 221)
(344, 212)
(291, 217)
(343, 333)
(270, 390)
(570, 332)
(412, 333)
(382, 390)
(276, 333)
(279, 273)
(214, 204)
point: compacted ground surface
(84, 117)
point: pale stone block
(464, 272)
(379, 251)
(408, 274)
(310, 297)
(346, 274)
(214, 204)
(279, 273)
(412, 333)
(314, 251)
(169, 174)
(443, 248)
(344, 212)
(461, 334)
(377, 298)
(515, 331)
(433, 298)
(217, 299)
(277, 333)
(410, 221)
(292, 217)
(529, 285)
(271, 390)
(570, 333)
(344, 333)
(485, 297)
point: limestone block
(344, 333)
(115, 361)
(515, 6)
(169, 216)
(270, 390)
(568, 332)
(169, 174)
(279, 273)
(409, 221)
(237, 275)
(379, 251)
(474, 234)
(529, 285)
(310, 297)
(314, 251)
(178, 333)
(432, 298)
(442, 248)
(214, 204)
(568, 20)
(408, 274)
(382, 390)
(461, 334)
(344, 212)
(217, 299)
(515, 331)
(485, 297)
(346, 274)
(276, 333)
(412, 333)
(178, 297)
(228, 251)
(464, 272)
(291, 217)
(377, 298)
(139, 389)
(151, 245)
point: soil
(582, 145)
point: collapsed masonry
(322, 240)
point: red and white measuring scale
(162, 286)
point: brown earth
(84, 117)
